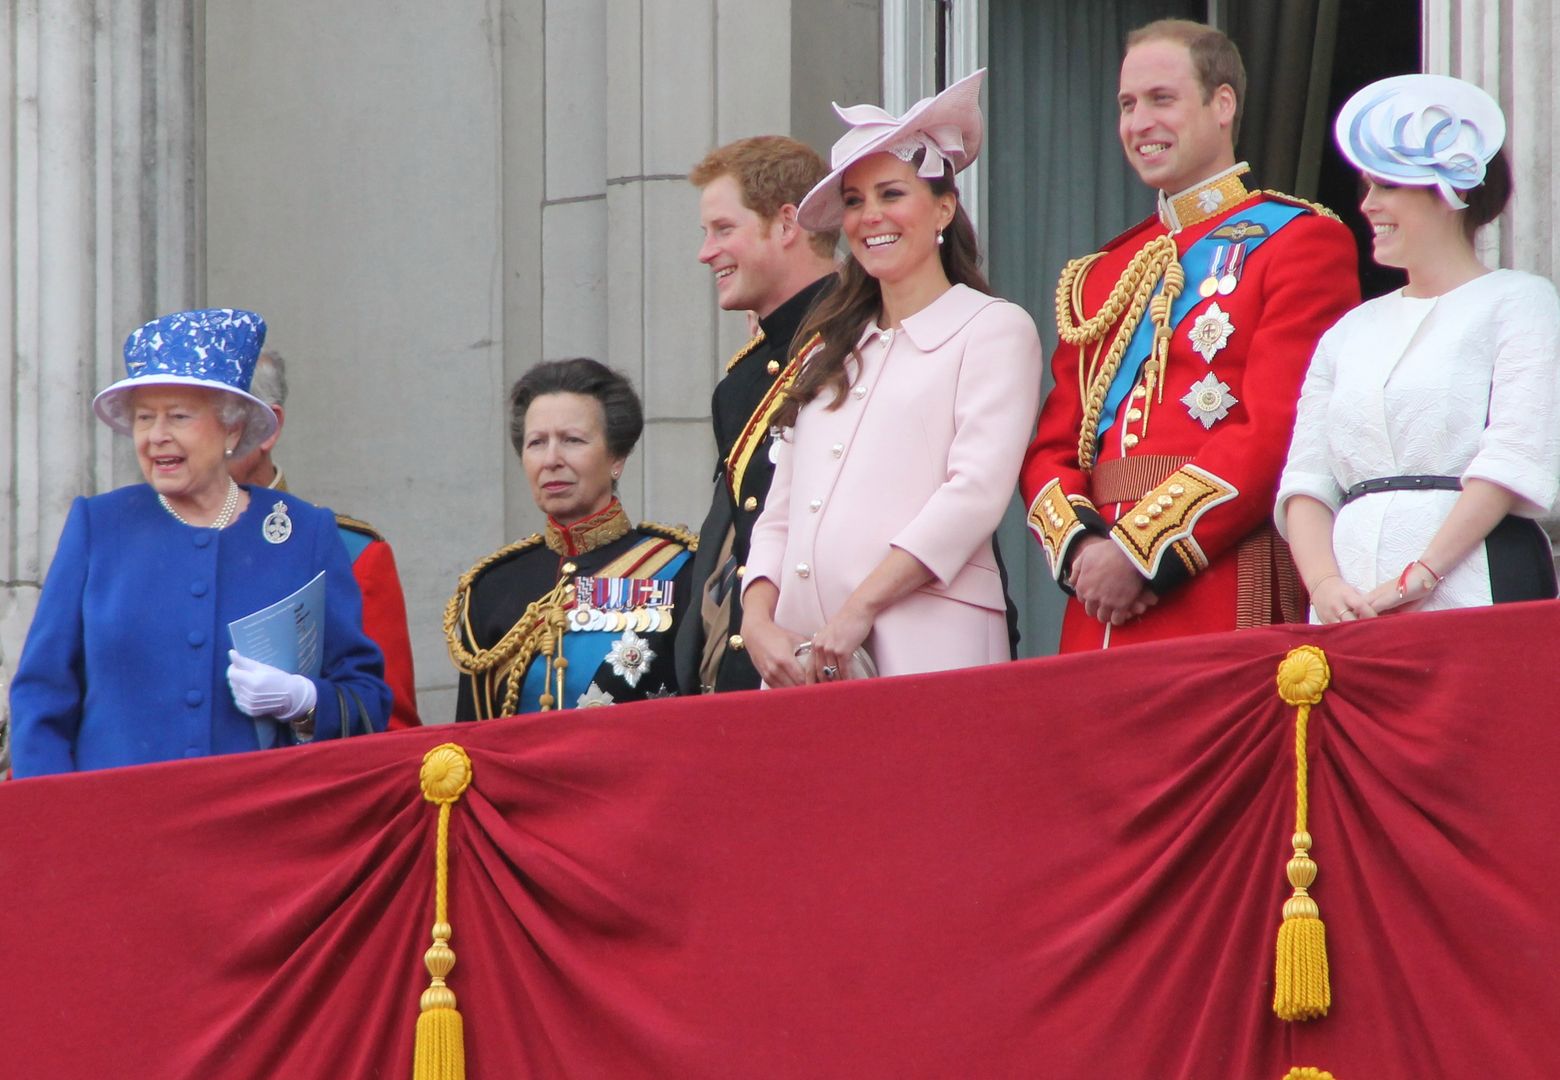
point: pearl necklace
(223, 520)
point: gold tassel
(440, 1051)
(1301, 990)
(1307, 1073)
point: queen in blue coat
(129, 658)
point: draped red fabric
(1064, 868)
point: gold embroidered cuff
(1163, 520)
(1055, 521)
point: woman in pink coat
(903, 425)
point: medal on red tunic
(1234, 265)
(1216, 270)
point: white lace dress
(1466, 384)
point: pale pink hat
(948, 127)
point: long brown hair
(839, 318)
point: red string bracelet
(1402, 581)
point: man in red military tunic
(1151, 479)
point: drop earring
(939, 238)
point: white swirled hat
(1422, 131)
(948, 127)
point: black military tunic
(732, 515)
(601, 595)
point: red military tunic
(1183, 481)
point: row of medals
(642, 619)
(1224, 270)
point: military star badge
(1210, 332)
(594, 698)
(630, 657)
(1209, 400)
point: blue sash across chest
(587, 651)
(1270, 215)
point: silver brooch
(1211, 332)
(630, 657)
(277, 526)
(1210, 200)
(594, 698)
(1209, 400)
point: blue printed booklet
(287, 634)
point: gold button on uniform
(1140, 392)
(1134, 414)
(773, 367)
(750, 503)
(569, 568)
(735, 642)
(1176, 489)
(741, 570)
(1130, 441)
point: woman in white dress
(1426, 440)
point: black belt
(1401, 483)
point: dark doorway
(1303, 59)
(1376, 38)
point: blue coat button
(193, 698)
(197, 638)
(198, 588)
(203, 538)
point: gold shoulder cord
(1316, 207)
(539, 629)
(676, 533)
(1132, 294)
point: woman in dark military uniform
(585, 613)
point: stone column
(1507, 49)
(100, 229)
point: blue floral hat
(215, 349)
(1424, 131)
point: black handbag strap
(365, 723)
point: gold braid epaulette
(358, 525)
(1130, 297)
(539, 628)
(678, 533)
(1314, 207)
(741, 354)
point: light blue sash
(586, 652)
(1271, 215)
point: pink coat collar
(935, 325)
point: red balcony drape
(1063, 868)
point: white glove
(262, 690)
